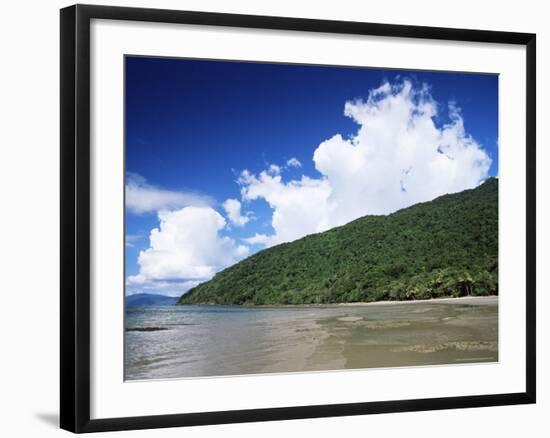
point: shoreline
(489, 300)
(481, 300)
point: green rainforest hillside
(444, 248)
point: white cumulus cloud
(232, 208)
(258, 239)
(293, 162)
(185, 249)
(299, 207)
(142, 197)
(274, 169)
(398, 157)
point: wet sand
(315, 338)
(426, 332)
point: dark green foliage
(444, 248)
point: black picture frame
(75, 217)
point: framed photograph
(284, 218)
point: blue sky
(298, 149)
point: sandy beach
(232, 340)
(478, 301)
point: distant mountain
(150, 300)
(447, 247)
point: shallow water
(190, 341)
